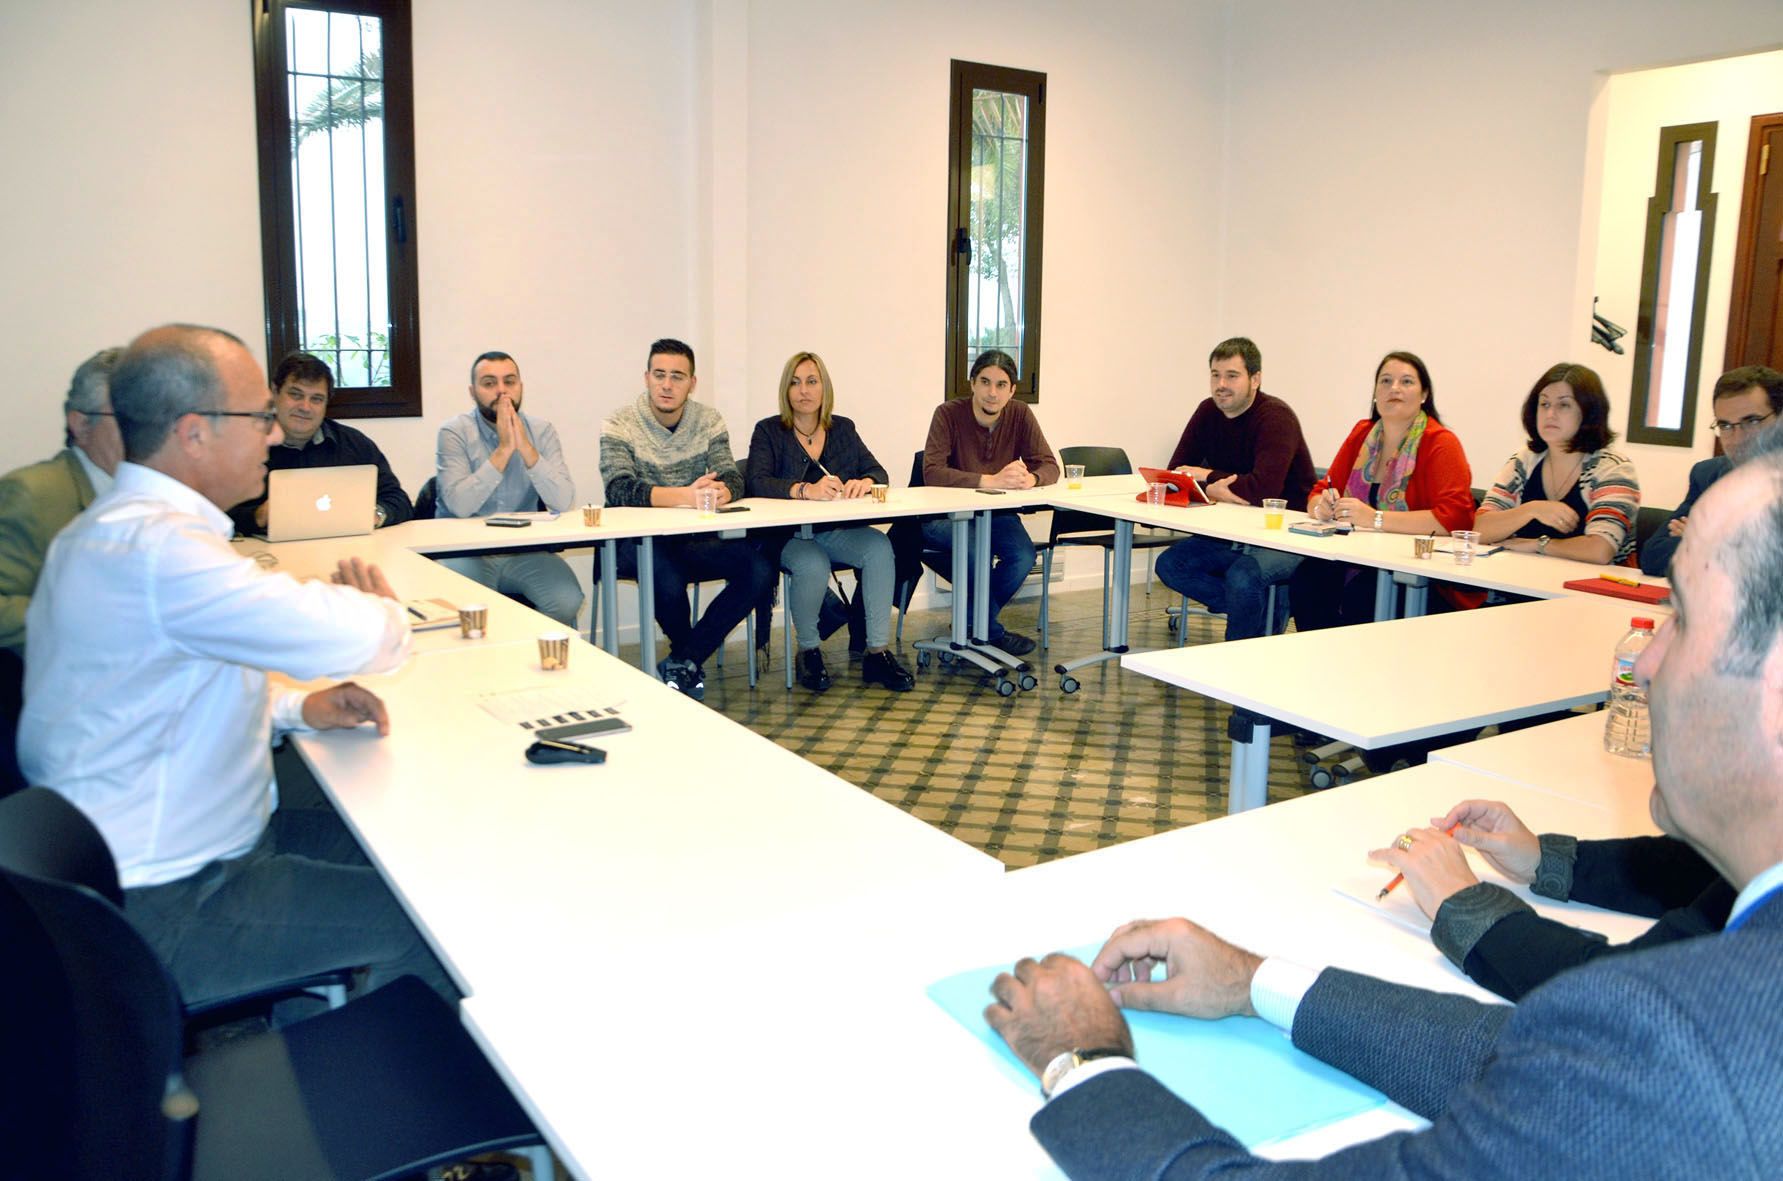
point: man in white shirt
(147, 704)
(1661, 1062)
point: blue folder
(1241, 1072)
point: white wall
(848, 200)
(1408, 174)
(1633, 108)
(555, 208)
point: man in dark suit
(302, 387)
(1658, 1063)
(1747, 400)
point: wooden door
(1755, 313)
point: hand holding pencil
(1431, 862)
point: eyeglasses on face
(1748, 423)
(265, 417)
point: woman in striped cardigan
(1566, 494)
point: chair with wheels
(100, 1074)
(911, 556)
(1073, 527)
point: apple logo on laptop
(324, 502)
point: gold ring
(1404, 841)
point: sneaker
(812, 674)
(1013, 643)
(683, 676)
(882, 668)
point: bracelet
(798, 491)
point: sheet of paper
(533, 709)
(1241, 1072)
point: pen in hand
(1400, 877)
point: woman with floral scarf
(1399, 471)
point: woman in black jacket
(807, 453)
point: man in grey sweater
(660, 452)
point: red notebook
(1179, 489)
(1646, 592)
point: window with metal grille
(995, 180)
(337, 208)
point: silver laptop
(307, 502)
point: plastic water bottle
(1626, 732)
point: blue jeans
(546, 581)
(1230, 581)
(809, 562)
(302, 900)
(1012, 558)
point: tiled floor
(1025, 778)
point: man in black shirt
(301, 388)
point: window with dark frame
(335, 101)
(996, 167)
(1668, 336)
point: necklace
(810, 437)
(1556, 485)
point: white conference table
(1389, 554)
(809, 1048)
(693, 825)
(448, 536)
(1565, 757)
(1402, 680)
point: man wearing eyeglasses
(37, 501)
(148, 644)
(1747, 401)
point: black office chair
(12, 704)
(387, 1086)
(1648, 522)
(1075, 527)
(427, 500)
(44, 835)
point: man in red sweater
(1243, 445)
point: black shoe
(882, 668)
(831, 615)
(1013, 643)
(683, 676)
(812, 674)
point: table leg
(647, 605)
(1248, 785)
(1114, 609)
(609, 593)
(1383, 595)
(981, 574)
(962, 577)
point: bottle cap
(1642, 622)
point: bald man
(147, 705)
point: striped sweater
(638, 453)
(1608, 483)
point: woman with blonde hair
(807, 452)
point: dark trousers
(302, 900)
(1331, 594)
(681, 561)
(1012, 559)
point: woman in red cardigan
(1399, 471)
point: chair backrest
(427, 500)
(1648, 522)
(99, 1025)
(1097, 461)
(907, 548)
(45, 836)
(12, 704)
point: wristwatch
(1070, 1060)
(1541, 546)
(1377, 520)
